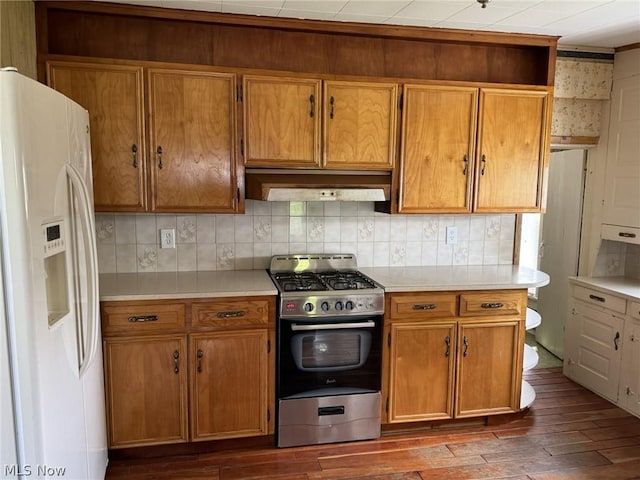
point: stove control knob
(338, 305)
(308, 307)
(349, 305)
(325, 306)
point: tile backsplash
(131, 242)
(618, 259)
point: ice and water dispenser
(55, 266)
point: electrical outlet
(168, 238)
(452, 235)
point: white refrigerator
(51, 375)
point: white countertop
(464, 277)
(237, 283)
(168, 285)
(626, 287)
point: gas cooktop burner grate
(350, 280)
(300, 282)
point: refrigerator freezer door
(67, 408)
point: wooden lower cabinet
(441, 364)
(488, 369)
(192, 370)
(146, 387)
(421, 354)
(228, 384)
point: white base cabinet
(602, 345)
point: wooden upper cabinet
(447, 168)
(438, 145)
(359, 124)
(113, 95)
(281, 121)
(511, 161)
(192, 140)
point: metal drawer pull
(597, 298)
(627, 234)
(465, 341)
(447, 342)
(615, 340)
(332, 102)
(200, 355)
(134, 151)
(312, 102)
(483, 160)
(176, 364)
(465, 160)
(425, 306)
(143, 318)
(492, 305)
(331, 326)
(159, 155)
(232, 314)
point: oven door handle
(331, 326)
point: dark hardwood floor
(569, 433)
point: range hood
(317, 185)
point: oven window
(331, 350)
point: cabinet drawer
(435, 305)
(601, 299)
(634, 310)
(497, 302)
(230, 313)
(142, 317)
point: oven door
(329, 356)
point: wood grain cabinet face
(511, 161)
(437, 148)
(360, 125)
(447, 168)
(192, 140)
(113, 95)
(489, 368)
(228, 384)
(284, 119)
(421, 371)
(442, 365)
(281, 121)
(146, 386)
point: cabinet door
(360, 125)
(629, 396)
(113, 95)
(192, 137)
(593, 340)
(146, 388)
(281, 121)
(228, 384)
(489, 372)
(622, 195)
(437, 149)
(511, 161)
(421, 371)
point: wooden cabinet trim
(231, 313)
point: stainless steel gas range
(329, 345)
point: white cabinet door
(629, 395)
(593, 347)
(622, 187)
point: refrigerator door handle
(88, 235)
